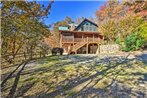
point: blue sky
(73, 9)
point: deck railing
(77, 39)
(65, 40)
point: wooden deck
(76, 40)
(72, 41)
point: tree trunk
(13, 48)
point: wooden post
(87, 46)
(82, 36)
(60, 40)
(73, 40)
(76, 52)
(92, 48)
(93, 37)
(73, 37)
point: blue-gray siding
(87, 26)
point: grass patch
(51, 73)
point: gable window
(90, 28)
(82, 29)
(94, 29)
(86, 28)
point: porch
(80, 42)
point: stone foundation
(108, 49)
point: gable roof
(84, 21)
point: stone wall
(107, 49)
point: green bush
(121, 43)
(133, 42)
(142, 30)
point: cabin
(80, 39)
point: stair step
(78, 45)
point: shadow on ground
(82, 76)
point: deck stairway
(78, 45)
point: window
(94, 29)
(90, 28)
(82, 29)
(86, 28)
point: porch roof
(85, 32)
